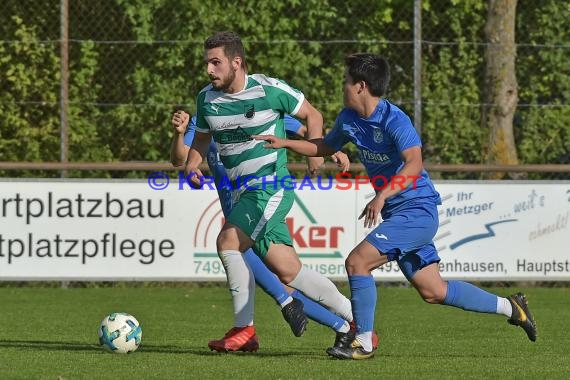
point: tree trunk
(501, 95)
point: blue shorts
(406, 235)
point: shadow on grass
(47, 345)
(77, 346)
(204, 351)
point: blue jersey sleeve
(403, 133)
(292, 126)
(336, 138)
(190, 132)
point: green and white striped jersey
(256, 110)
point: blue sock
(266, 279)
(469, 297)
(363, 298)
(317, 312)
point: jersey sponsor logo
(370, 156)
(232, 136)
(215, 108)
(381, 236)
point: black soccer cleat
(344, 340)
(522, 316)
(353, 352)
(294, 314)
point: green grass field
(51, 333)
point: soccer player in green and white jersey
(230, 109)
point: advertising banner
(500, 231)
(163, 230)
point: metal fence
(73, 33)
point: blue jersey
(292, 125)
(380, 139)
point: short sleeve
(190, 132)
(201, 125)
(280, 95)
(403, 133)
(292, 125)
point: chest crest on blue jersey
(377, 136)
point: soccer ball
(120, 333)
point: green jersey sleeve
(280, 95)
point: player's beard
(225, 83)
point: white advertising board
(126, 230)
(500, 231)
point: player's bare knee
(362, 261)
(286, 274)
(430, 299)
(282, 260)
(355, 265)
(433, 296)
(350, 265)
(227, 239)
(286, 278)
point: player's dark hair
(231, 42)
(370, 68)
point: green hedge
(122, 94)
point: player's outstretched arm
(314, 121)
(310, 148)
(296, 130)
(299, 131)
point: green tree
(543, 127)
(500, 90)
(29, 115)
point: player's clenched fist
(180, 121)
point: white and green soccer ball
(120, 333)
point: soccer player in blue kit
(390, 150)
(242, 337)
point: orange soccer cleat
(237, 339)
